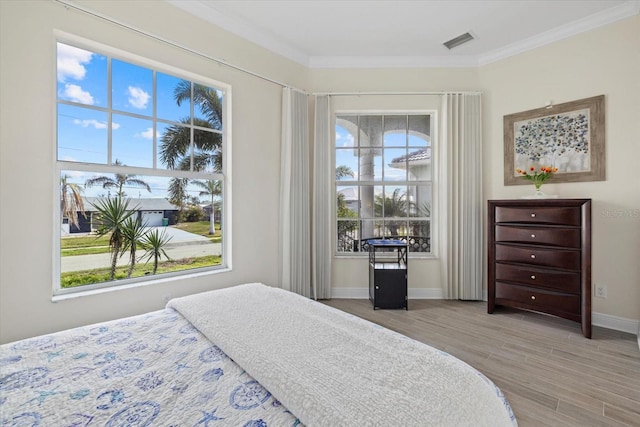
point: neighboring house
(419, 164)
(351, 198)
(217, 215)
(153, 212)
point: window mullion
(192, 130)
(154, 119)
(109, 112)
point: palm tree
(177, 192)
(112, 214)
(345, 228)
(175, 148)
(71, 201)
(394, 206)
(343, 171)
(210, 188)
(153, 242)
(118, 181)
(133, 231)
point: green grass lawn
(201, 228)
(101, 275)
(83, 242)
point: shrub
(192, 214)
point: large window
(383, 180)
(142, 164)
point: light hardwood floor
(550, 373)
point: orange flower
(538, 177)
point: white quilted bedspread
(333, 369)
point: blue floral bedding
(153, 369)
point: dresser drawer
(542, 215)
(558, 280)
(562, 237)
(538, 298)
(558, 258)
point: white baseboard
(616, 323)
(597, 319)
(363, 293)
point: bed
(251, 356)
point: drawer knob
(533, 277)
(533, 297)
(533, 236)
(533, 215)
(533, 255)
(377, 287)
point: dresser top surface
(539, 202)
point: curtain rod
(71, 5)
(441, 92)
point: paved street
(181, 245)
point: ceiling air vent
(458, 41)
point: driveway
(182, 245)
(179, 236)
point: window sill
(96, 291)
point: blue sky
(83, 131)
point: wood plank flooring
(550, 373)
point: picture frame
(569, 136)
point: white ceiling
(382, 33)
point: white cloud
(90, 122)
(147, 134)
(95, 124)
(71, 62)
(138, 98)
(76, 94)
(344, 140)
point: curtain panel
(323, 216)
(295, 223)
(461, 203)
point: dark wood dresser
(539, 257)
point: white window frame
(433, 218)
(59, 293)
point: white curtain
(322, 197)
(461, 201)
(295, 244)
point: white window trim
(59, 293)
(435, 143)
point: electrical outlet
(600, 291)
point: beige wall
(27, 146)
(604, 61)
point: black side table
(388, 275)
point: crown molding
(269, 42)
(241, 29)
(574, 28)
